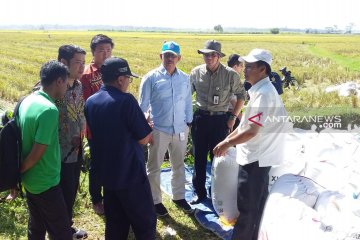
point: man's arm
(231, 122)
(188, 105)
(192, 78)
(145, 94)
(234, 139)
(86, 88)
(34, 156)
(240, 93)
(146, 139)
(238, 106)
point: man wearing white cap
(166, 93)
(259, 141)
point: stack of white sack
(298, 208)
(345, 89)
(324, 203)
(294, 151)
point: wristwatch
(232, 116)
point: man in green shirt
(40, 168)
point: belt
(209, 113)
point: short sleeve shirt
(39, 121)
(117, 124)
(265, 108)
(214, 90)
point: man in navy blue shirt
(118, 128)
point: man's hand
(230, 124)
(221, 149)
(148, 119)
(151, 141)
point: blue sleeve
(145, 93)
(188, 103)
(192, 81)
(135, 119)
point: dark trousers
(69, 182)
(252, 192)
(94, 184)
(47, 212)
(130, 207)
(207, 131)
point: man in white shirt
(259, 141)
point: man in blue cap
(166, 93)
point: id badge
(216, 99)
(182, 136)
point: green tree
(275, 31)
(218, 28)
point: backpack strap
(15, 117)
(16, 109)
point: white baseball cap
(257, 55)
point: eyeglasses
(211, 55)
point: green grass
(352, 64)
(13, 219)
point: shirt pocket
(224, 90)
(162, 89)
(181, 91)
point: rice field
(315, 60)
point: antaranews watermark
(321, 122)
(318, 119)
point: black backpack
(10, 153)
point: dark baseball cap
(114, 67)
(233, 60)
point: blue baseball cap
(171, 47)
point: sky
(195, 14)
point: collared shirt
(91, 80)
(169, 98)
(117, 124)
(214, 90)
(264, 107)
(71, 121)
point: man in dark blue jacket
(119, 128)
